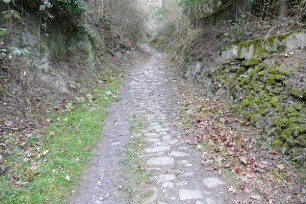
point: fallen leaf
(261, 165)
(67, 178)
(280, 166)
(244, 160)
(250, 175)
(256, 197)
(231, 189)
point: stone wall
(57, 54)
(265, 80)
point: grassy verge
(54, 163)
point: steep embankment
(60, 62)
(264, 78)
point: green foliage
(11, 14)
(69, 7)
(3, 32)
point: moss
(297, 119)
(275, 70)
(280, 122)
(286, 134)
(273, 79)
(250, 62)
(277, 143)
(260, 67)
(242, 81)
(257, 44)
(297, 93)
(301, 141)
(290, 109)
(1, 90)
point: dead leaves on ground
(228, 143)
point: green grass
(70, 141)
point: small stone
(167, 185)
(99, 183)
(157, 149)
(167, 137)
(188, 174)
(177, 154)
(183, 162)
(165, 177)
(116, 143)
(210, 201)
(256, 197)
(171, 142)
(153, 140)
(182, 183)
(212, 182)
(187, 194)
(161, 161)
(151, 134)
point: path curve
(176, 175)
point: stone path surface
(174, 167)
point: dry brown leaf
(280, 166)
(250, 175)
(244, 160)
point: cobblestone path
(176, 175)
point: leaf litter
(236, 151)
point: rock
(213, 182)
(177, 154)
(167, 185)
(161, 161)
(157, 149)
(165, 177)
(210, 201)
(187, 194)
